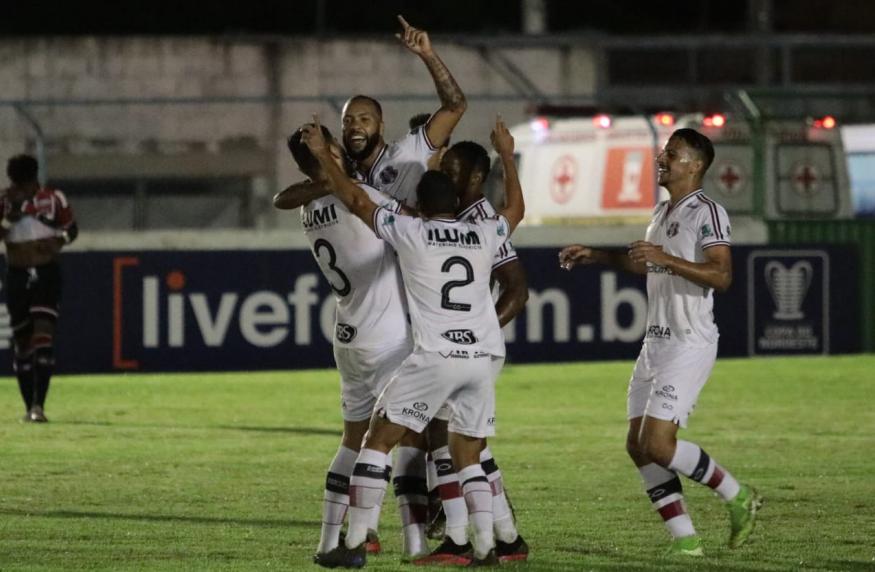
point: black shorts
(33, 291)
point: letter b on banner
(612, 300)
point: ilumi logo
(319, 217)
(453, 236)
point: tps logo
(161, 310)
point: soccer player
(686, 257)
(467, 165)
(371, 335)
(446, 264)
(35, 223)
(396, 167)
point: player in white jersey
(446, 265)
(686, 256)
(394, 168)
(371, 335)
(467, 164)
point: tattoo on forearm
(449, 92)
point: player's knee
(634, 449)
(658, 449)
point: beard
(370, 144)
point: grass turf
(225, 471)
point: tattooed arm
(453, 104)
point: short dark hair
(370, 99)
(22, 169)
(701, 144)
(418, 120)
(473, 155)
(436, 194)
(307, 162)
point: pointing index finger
(404, 23)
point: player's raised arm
(299, 194)
(356, 200)
(453, 103)
(514, 206)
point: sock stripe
(671, 487)
(370, 471)
(337, 483)
(444, 467)
(701, 467)
(489, 466)
(716, 478)
(448, 491)
(478, 479)
(672, 510)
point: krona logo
(464, 337)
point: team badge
(345, 333)
(672, 229)
(388, 175)
(706, 231)
(387, 220)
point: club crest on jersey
(388, 219)
(464, 337)
(706, 231)
(344, 333)
(388, 175)
(672, 229)
(453, 236)
(319, 218)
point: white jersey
(361, 269)
(400, 165)
(679, 310)
(481, 210)
(446, 265)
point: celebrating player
(467, 165)
(371, 335)
(35, 223)
(686, 257)
(446, 264)
(393, 168)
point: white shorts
(667, 380)
(364, 372)
(428, 380)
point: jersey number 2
(445, 291)
(332, 258)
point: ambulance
(603, 166)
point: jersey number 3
(323, 244)
(445, 290)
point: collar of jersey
(672, 207)
(471, 206)
(377, 162)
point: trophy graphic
(788, 287)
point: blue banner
(253, 310)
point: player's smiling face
(362, 128)
(676, 162)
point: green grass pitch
(225, 471)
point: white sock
(666, 493)
(450, 489)
(335, 499)
(478, 499)
(412, 495)
(374, 517)
(502, 516)
(692, 461)
(366, 489)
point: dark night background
(343, 17)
